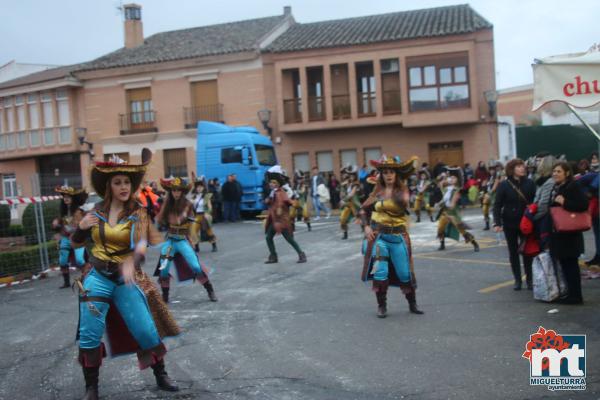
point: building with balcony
(408, 83)
(39, 116)
(152, 92)
(340, 92)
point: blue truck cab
(223, 150)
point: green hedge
(51, 211)
(26, 259)
(12, 231)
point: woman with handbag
(512, 197)
(566, 243)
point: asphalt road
(309, 331)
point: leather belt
(390, 230)
(179, 231)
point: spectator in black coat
(567, 247)
(512, 197)
(231, 195)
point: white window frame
(46, 143)
(60, 135)
(22, 140)
(35, 133)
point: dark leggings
(512, 236)
(287, 235)
(570, 267)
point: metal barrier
(28, 245)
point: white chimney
(134, 31)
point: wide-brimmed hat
(457, 172)
(350, 170)
(403, 168)
(79, 195)
(278, 174)
(102, 171)
(178, 183)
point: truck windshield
(265, 155)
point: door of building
(450, 153)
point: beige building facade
(339, 93)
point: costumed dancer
(388, 254)
(489, 195)
(202, 228)
(278, 217)
(350, 198)
(422, 197)
(67, 222)
(177, 214)
(115, 291)
(301, 204)
(450, 223)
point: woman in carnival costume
(388, 254)
(350, 202)
(299, 209)
(450, 223)
(489, 187)
(177, 214)
(70, 216)
(115, 292)
(278, 218)
(422, 189)
(202, 228)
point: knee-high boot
(91, 375)
(66, 278)
(162, 378)
(165, 294)
(442, 244)
(380, 288)
(90, 361)
(210, 291)
(412, 303)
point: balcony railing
(316, 108)
(341, 106)
(137, 122)
(391, 102)
(366, 104)
(292, 111)
(210, 112)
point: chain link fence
(28, 244)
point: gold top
(118, 238)
(389, 213)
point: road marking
(497, 286)
(465, 248)
(462, 260)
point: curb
(25, 277)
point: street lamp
(81, 133)
(491, 96)
(264, 116)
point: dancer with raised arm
(115, 292)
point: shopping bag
(548, 280)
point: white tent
(573, 79)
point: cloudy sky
(70, 31)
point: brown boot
(210, 291)
(272, 259)
(412, 303)
(91, 375)
(381, 304)
(301, 258)
(66, 278)
(162, 378)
